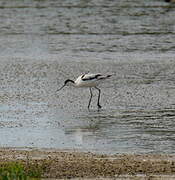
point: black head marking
(68, 80)
(65, 82)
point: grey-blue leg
(90, 97)
(98, 102)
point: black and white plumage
(88, 81)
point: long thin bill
(60, 88)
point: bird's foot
(99, 106)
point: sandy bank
(59, 164)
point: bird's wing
(87, 77)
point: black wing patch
(91, 77)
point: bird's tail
(105, 77)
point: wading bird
(88, 81)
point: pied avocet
(88, 81)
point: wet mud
(137, 113)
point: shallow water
(45, 42)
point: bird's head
(67, 83)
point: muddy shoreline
(66, 164)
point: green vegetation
(19, 171)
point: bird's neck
(70, 82)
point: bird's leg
(98, 102)
(90, 97)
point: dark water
(45, 42)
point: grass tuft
(19, 171)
